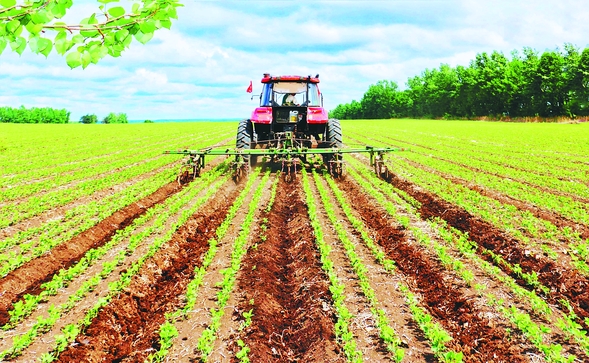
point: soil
(563, 283)
(473, 334)
(127, 329)
(293, 318)
(28, 278)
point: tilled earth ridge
(293, 320)
(127, 329)
(473, 334)
(28, 278)
(563, 283)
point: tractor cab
(289, 104)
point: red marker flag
(250, 89)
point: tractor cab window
(314, 98)
(266, 96)
(290, 93)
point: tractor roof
(270, 79)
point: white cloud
(202, 66)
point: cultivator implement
(289, 158)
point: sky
(202, 66)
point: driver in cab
(289, 99)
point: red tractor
(288, 127)
(291, 115)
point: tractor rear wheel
(244, 138)
(333, 133)
(333, 138)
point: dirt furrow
(293, 320)
(190, 330)
(60, 212)
(127, 328)
(386, 293)
(563, 283)
(474, 334)
(540, 213)
(29, 277)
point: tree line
(551, 85)
(48, 115)
(111, 118)
(34, 115)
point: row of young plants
(71, 331)
(43, 177)
(556, 201)
(342, 326)
(566, 320)
(63, 230)
(521, 175)
(82, 217)
(206, 341)
(67, 180)
(14, 213)
(540, 149)
(391, 340)
(521, 224)
(64, 148)
(436, 335)
(502, 182)
(458, 241)
(168, 331)
(545, 170)
(163, 211)
(44, 324)
(242, 355)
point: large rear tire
(333, 138)
(244, 138)
(333, 133)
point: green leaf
(45, 46)
(86, 59)
(165, 24)
(116, 11)
(2, 44)
(97, 53)
(58, 10)
(41, 17)
(7, 3)
(12, 26)
(147, 27)
(33, 28)
(74, 59)
(121, 35)
(172, 12)
(33, 44)
(78, 39)
(107, 1)
(135, 8)
(143, 38)
(18, 45)
(62, 45)
(92, 19)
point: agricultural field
(473, 248)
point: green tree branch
(36, 24)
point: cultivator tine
(336, 168)
(289, 169)
(380, 169)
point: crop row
(453, 244)
(135, 235)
